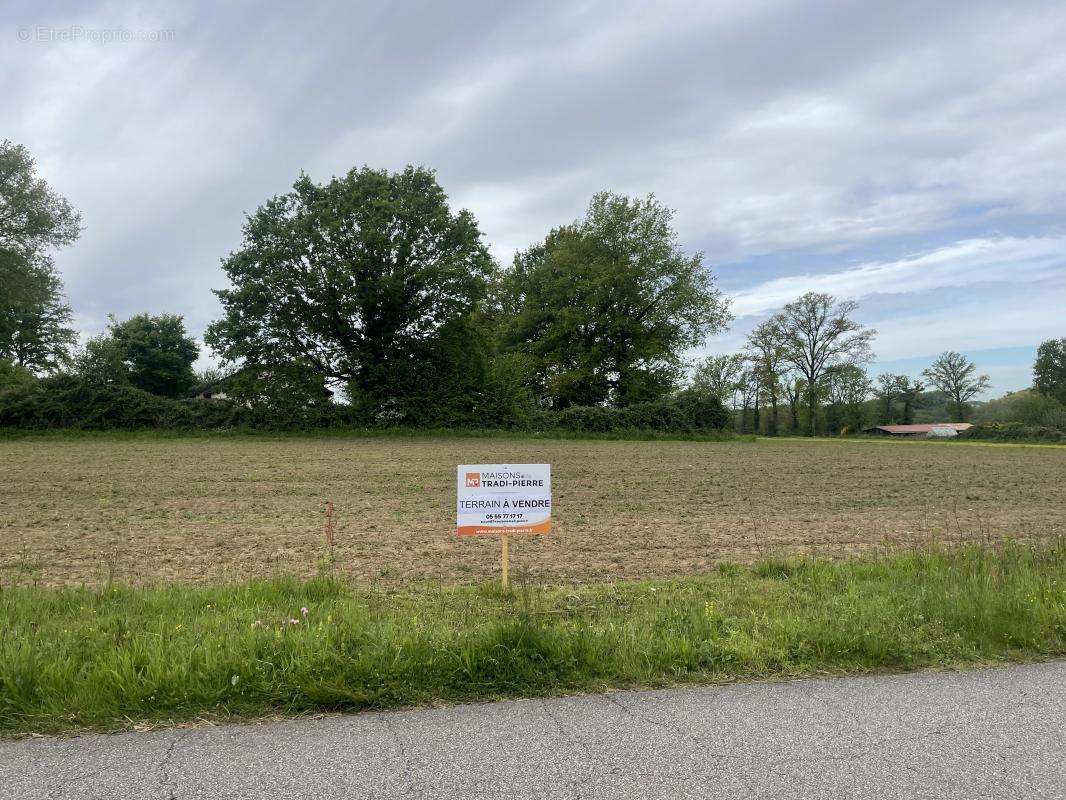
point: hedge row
(684, 413)
(69, 402)
(1013, 432)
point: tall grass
(106, 659)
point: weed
(109, 658)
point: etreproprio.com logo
(80, 33)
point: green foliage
(156, 351)
(369, 281)
(1049, 370)
(107, 659)
(718, 375)
(288, 396)
(32, 216)
(34, 319)
(1013, 432)
(94, 401)
(911, 394)
(505, 399)
(767, 354)
(846, 387)
(606, 307)
(935, 406)
(955, 375)
(817, 333)
(687, 412)
(1026, 407)
(100, 397)
(13, 376)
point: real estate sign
(503, 499)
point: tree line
(803, 371)
(367, 298)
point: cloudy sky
(909, 155)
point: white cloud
(983, 322)
(775, 129)
(963, 265)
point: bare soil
(199, 510)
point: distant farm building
(934, 430)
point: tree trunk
(755, 410)
(812, 407)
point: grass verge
(109, 659)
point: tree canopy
(767, 353)
(954, 375)
(1049, 370)
(816, 333)
(606, 307)
(368, 281)
(35, 330)
(156, 351)
(718, 375)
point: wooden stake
(506, 561)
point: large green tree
(35, 330)
(606, 307)
(818, 333)
(368, 281)
(767, 356)
(157, 352)
(1049, 370)
(955, 375)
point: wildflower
(257, 624)
(178, 627)
(294, 622)
(234, 679)
(304, 611)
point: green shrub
(12, 375)
(67, 401)
(1013, 432)
(687, 412)
(1027, 407)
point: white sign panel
(503, 499)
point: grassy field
(133, 510)
(110, 659)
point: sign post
(505, 562)
(503, 500)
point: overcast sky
(909, 155)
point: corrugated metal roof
(925, 428)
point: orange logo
(473, 480)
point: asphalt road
(991, 733)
